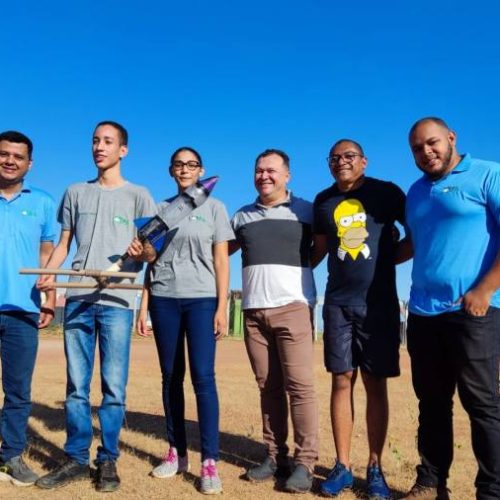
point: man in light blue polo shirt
(27, 222)
(453, 213)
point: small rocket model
(154, 229)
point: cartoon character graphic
(350, 219)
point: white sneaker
(171, 465)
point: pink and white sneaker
(210, 480)
(171, 465)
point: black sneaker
(69, 472)
(107, 479)
(428, 492)
(300, 481)
(17, 472)
(263, 472)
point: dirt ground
(143, 441)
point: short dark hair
(122, 131)
(356, 144)
(433, 119)
(279, 152)
(19, 138)
(185, 148)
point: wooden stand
(99, 276)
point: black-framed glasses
(348, 157)
(191, 165)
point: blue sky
(234, 78)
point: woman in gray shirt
(186, 295)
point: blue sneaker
(339, 479)
(377, 488)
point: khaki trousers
(279, 343)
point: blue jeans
(85, 324)
(174, 319)
(18, 348)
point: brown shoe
(427, 493)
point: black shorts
(365, 337)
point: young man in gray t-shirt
(100, 215)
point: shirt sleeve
(146, 207)
(492, 191)
(65, 215)
(223, 230)
(234, 223)
(318, 223)
(399, 208)
(49, 224)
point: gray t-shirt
(185, 266)
(102, 222)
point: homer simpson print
(350, 219)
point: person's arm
(221, 266)
(233, 246)
(477, 300)
(142, 317)
(57, 257)
(319, 249)
(48, 307)
(404, 247)
(404, 250)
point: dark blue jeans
(448, 351)
(85, 326)
(18, 348)
(174, 319)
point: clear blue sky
(233, 78)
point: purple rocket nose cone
(209, 183)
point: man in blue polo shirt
(27, 221)
(453, 213)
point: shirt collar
(26, 188)
(287, 201)
(464, 164)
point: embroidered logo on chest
(199, 218)
(119, 219)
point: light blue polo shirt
(454, 224)
(26, 220)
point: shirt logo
(118, 219)
(451, 189)
(198, 218)
(28, 213)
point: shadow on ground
(237, 450)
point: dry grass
(142, 439)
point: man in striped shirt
(275, 236)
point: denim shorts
(365, 337)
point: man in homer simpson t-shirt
(354, 222)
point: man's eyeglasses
(191, 165)
(347, 157)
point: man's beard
(445, 165)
